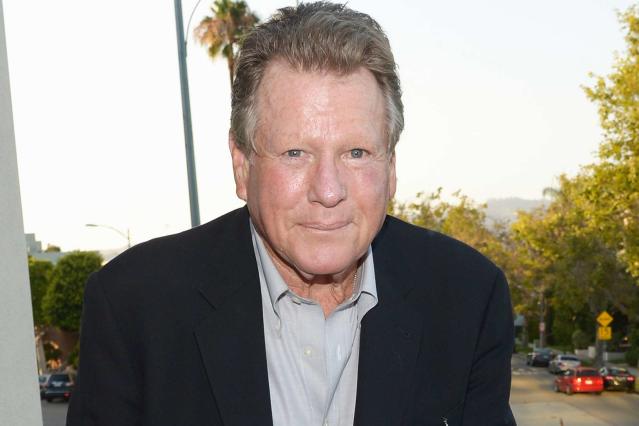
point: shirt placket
(311, 346)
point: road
(532, 398)
(54, 413)
(535, 403)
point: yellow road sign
(604, 319)
(604, 333)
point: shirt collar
(277, 288)
(274, 282)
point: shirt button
(308, 351)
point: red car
(580, 379)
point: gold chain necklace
(352, 287)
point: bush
(562, 329)
(580, 340)
(632, 357)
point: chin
(325, 262)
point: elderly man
(309, 306)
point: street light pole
(186, 116)
(126, 235)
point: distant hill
(505, 209)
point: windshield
(60, 378)
(587, 373)
(618, 371)
(569, 358)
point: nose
(327, 185)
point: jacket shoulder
(181, 250)
(166, 270)
(429, 248)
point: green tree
(62, 304)
(223, 32)
(614, 189)
(581, 339)
(569, 266)
(39, 273)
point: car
(580, 379)
(563, 362)
(59, 385)
(539, 357)
(617, 378)
(42, 382)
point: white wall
(19, 397)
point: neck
(329, 291)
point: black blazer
(172, 334)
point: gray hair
(317, 36)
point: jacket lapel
(389, 343)
(231, 338)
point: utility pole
(186, 116)
(542, 320)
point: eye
(294, 153)
(357, 153)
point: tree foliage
(571, 264)
(62, 304)
(223, 32)
(614, 181)
(51, 248)
(579, 255)
(39, 273)
(582, 251)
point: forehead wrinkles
(315, 102)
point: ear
(392, 176)
(240, 167)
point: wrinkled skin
(318, 186)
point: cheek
(371, 187)
(275, 188)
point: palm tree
(223, 32)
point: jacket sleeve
(108, 386)
(488, 391)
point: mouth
(325, 226)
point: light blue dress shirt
(312, 360)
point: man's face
(318, 185)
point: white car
(562, 363)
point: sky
(493, 97)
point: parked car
(59, 385)
(42, 382)
(580, 379)
(539, 357)
(562, 363)
(617, 378)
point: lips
(325, 226)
